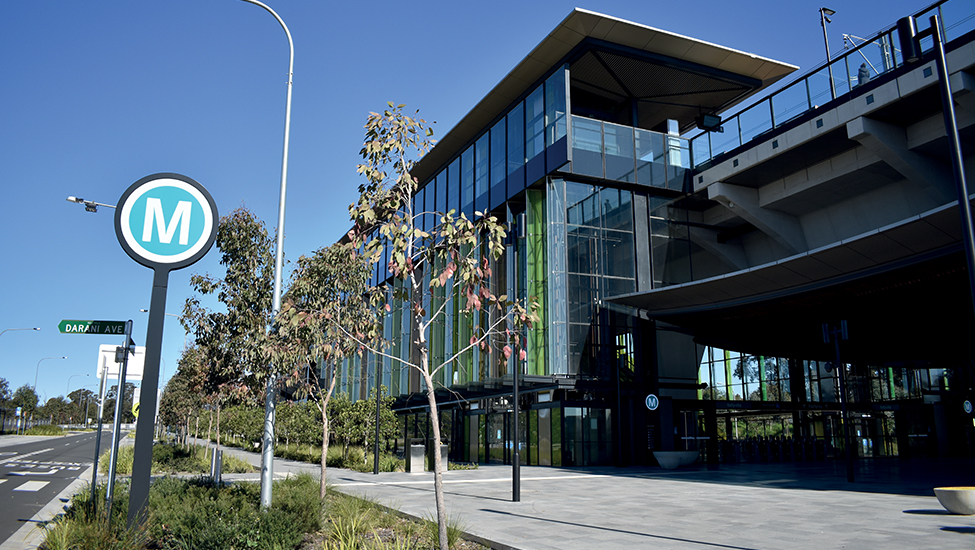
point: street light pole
(267, 454)
(910, 41)
(8, 329)
(38, 370)
(824, 14)
(68, 385)
(90, 206)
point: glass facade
(598, 210)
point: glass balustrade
(623, 153)
(864, 61)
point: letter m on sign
(181, 217)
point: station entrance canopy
(903, 291)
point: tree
(80, 406)
(5, 394)
(233, 358)
(26, 398)
(57, 410)
(108, 414)
(453, 259)
(179, 401)
(325, 313)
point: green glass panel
(537, 280)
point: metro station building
(689, 217)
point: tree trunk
(218, 425)
(321, 490)
(325, 428)
(437, 476)
(206, 452)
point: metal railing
(857, 66)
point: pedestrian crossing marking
(32, 486)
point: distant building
(697, 258)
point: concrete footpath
(745, 506)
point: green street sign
(69, 326)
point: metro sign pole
(164, 222)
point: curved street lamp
(68, 385)
(38, 369)
(267, 451)
(6, 329)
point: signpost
(68, 326)
(122, 328)
(164, 222)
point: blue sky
(95, 95)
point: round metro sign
(166, 221)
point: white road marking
(53, 470)
(32, 486)
(26, 455)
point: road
(34, 471)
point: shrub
(78, 529)
(455, 529)
(174, 458)
(45, 429)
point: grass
(199, 515)
(174, 459)
(45, 429)
(455, 528)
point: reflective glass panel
(467, 182)
(618, 145)
(790, 102)
(754, 121)
(535, 124)
(481, 173)
(516, 138)
(651, 164)
(555, 107)
(453, 178)
(958, 18)
(498, 164)
(587, 147)
(727, 140)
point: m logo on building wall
(165, 220)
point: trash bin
(443, 456)
(414, 459)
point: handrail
(811, 89)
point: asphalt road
(33, 472)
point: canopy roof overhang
(902, 289)
(670, 76)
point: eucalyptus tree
(454, 259)
(179, 401)
(326, 313)
(233, 341)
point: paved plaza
(744, 506)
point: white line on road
(26, 455)
(53, 470)
(32, 486)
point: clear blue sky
(95, 95)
